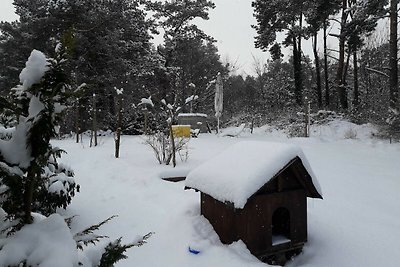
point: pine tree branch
(87, 236)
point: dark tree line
(343, 80)
(109, 45)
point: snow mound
(341, 129)
(15, 150)
(46, 243)
(238, 172)
(233, 131)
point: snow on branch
(146, 101)
(191, 98)
(87, 236)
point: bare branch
(335, 58)
(377, 72)
(335, 20)
(333, 50)
(334, 35)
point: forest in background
(109, 50)
(92, 66)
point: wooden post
(307, 108)
(94, 120)
(118, 132)
(77, 122)
(146, 114)
(326, 74)
(28, 194)
(172, 144)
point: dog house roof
(240, 171)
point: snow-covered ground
(356, 224)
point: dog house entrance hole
(280, 226)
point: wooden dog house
(257, 192)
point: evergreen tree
(358, 18)
(175, 18)
(394, 108)
(31, 178)
(317, 17)
(278, 16)
(197, 64)
(109, 43)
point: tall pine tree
(277, 16)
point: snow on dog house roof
(237, 173)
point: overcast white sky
(7, 11)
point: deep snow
(357, 223)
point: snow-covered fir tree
(31, 178)
(33, 185)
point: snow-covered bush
(350, 134)
(33, 185)
(162, 147)
(164, 144)
(393, 123)
(30, 176)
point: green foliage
(175, 16)
(114, 251)
(364, 16)
(318, 12)
(276, 16)
(189, 59)
(87, 236)
(276, 52)
(40, 185)
(107, 45)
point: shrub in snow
(393, 122)
(162, 147)
(31, 179)
(351, 133)
(33, 183)
(48, 242)
(163, 143)
(114, 251)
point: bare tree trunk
(307, 109)
(91, 138)
(118, 131)
(317, 70)
(298, 83)
(299, 96)
(345, 71)
(393, 80)
(340, 71)
(94, 114)
(356, 92)
(172, 144)
(327, 93)
(146, 120)
(77, 120)
(28, 195)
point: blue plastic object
(193, 251)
